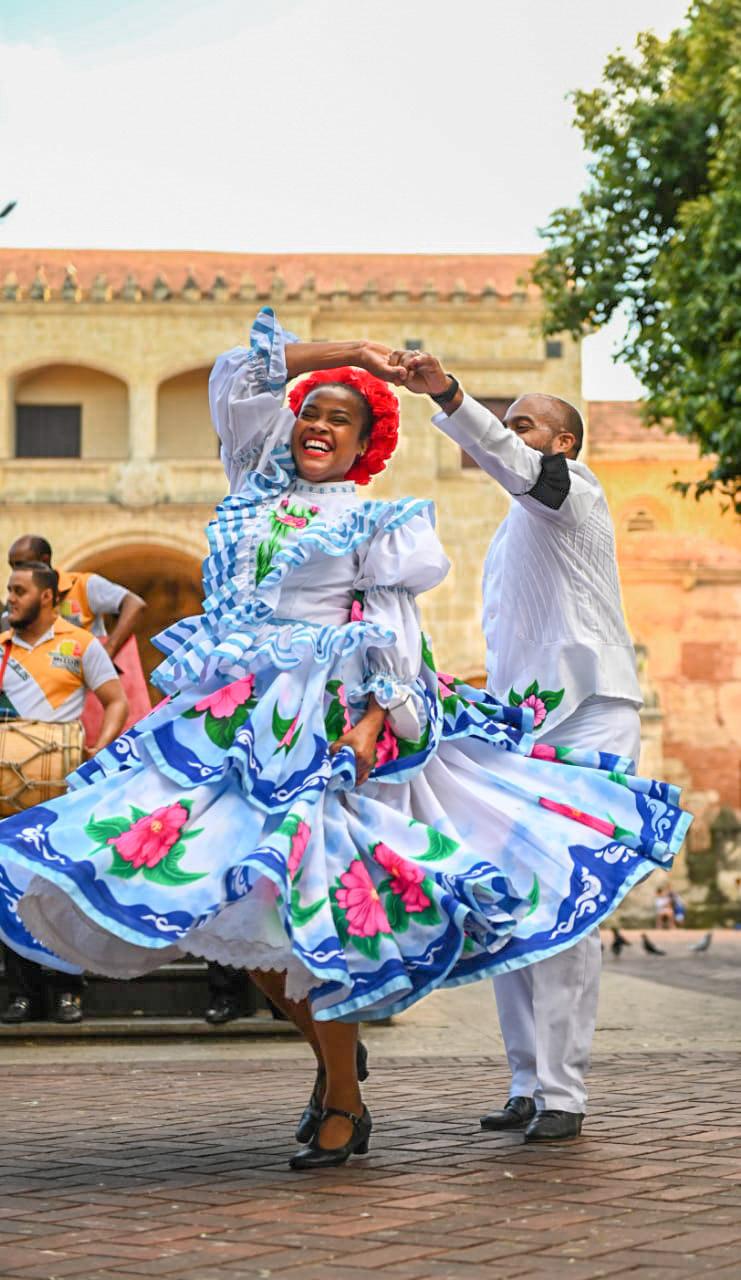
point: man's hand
(362, 738)
(423, 373)
(375, 358)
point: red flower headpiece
(384, 408)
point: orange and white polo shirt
(48, 680)
(86, 597)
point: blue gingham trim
(268, 340)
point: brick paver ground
(122, 1171)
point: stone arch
(102, 397)
(184, 427)
(79, 359)
(164, 573)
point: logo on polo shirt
(68, 654)
(71, 610)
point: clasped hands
(418, 371)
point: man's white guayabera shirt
(553, 618)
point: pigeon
(618, 942)
(8, 209)
(704, 943)
(649, 946)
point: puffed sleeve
(245, 393)
(402, 561)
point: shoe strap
(336, 1111)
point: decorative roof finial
(190, 291)
(219, 290)
(429, 293)
(71, 291)
(277, 288)
(307, 292)
(370, 292)
(161, 291)
(11, 291)
(247, 290)
(459, 293)
(131, 291)
(39, 290)
(101, 290)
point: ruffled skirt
(222, 827)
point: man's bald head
(30, 548)
(546, 423)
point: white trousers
(548, 1010)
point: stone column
(142, 421)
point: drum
(35, 758)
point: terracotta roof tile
(619, 422)
(353, 271)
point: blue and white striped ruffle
(225, 639)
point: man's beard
(28, 618)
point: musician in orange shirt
(48, 665)
(84, 597)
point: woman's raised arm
(305, 357)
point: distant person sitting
(663, 908)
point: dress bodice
(319, 589)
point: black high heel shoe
(312, 1114)
(315, 1157)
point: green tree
(657, 232)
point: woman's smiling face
(331, 430)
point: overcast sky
(314, 125)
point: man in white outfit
(556, 641)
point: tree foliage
(657, 232)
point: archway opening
(169, 581)
(70, 411)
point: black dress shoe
(554, 1126)
(516, 1113)
(221, 1009)
(315, 1157)
(20, 1009)
(312, 1113)
(67, 1007)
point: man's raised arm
(528, 457)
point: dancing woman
(313, 801)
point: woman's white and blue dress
(220, 825)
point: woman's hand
(423, 373)
(375, 358)
(362, 739)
